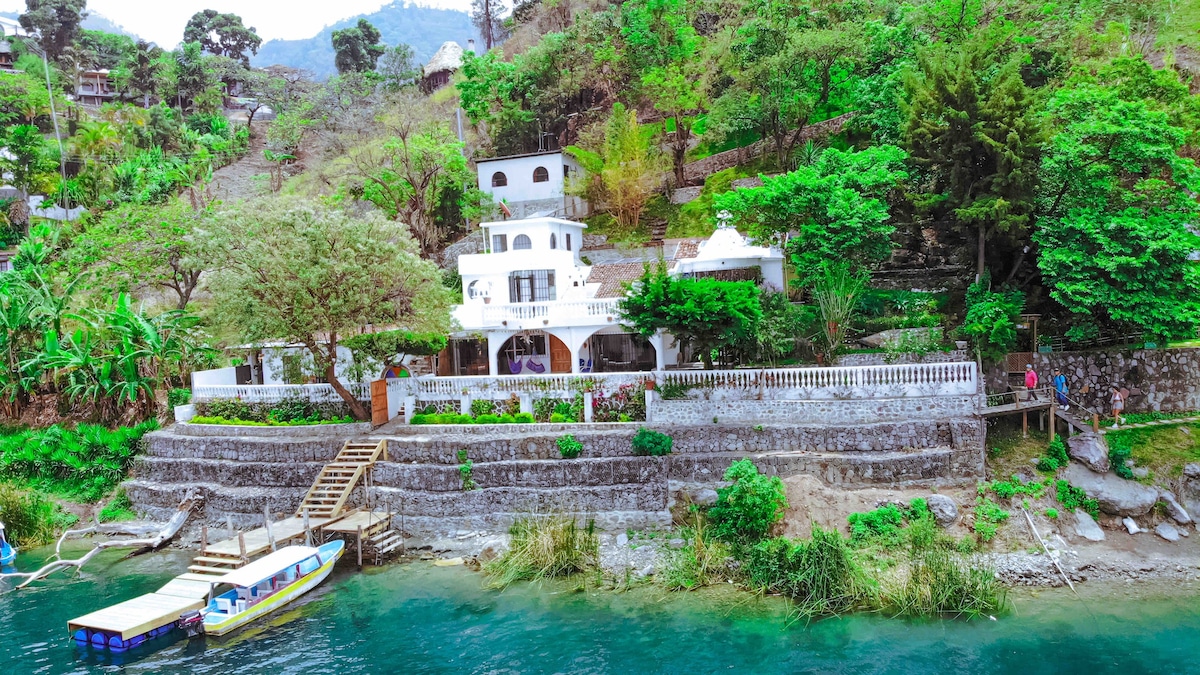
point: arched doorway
(533, 353)
(619, 353)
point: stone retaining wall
(878, 358)
(848, 412)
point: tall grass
(545, 546)
(698, 563)
(820, 574)
(29, 518)
(938, 580)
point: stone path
(1152, 423)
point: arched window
(522, 243)
(499, 179)
(541, 175)
(553, 241)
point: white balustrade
(559, 311)
(272, 393)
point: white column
(495, 341)
(587, 406)
(410, 408)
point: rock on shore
(1115, 495)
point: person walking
(1031, 381)
(1118, 406)
(1060, 389)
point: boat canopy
(268, 566)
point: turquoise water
(422, 619)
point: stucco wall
(828, 412)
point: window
(553, 241)
(568, 241)
(499, 179)
(531, 286)
(541, 175)
(522, 243)
(499, 243)
(566, 171)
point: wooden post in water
(360, 547)
(1053, 418)
(267, 524)
(307, 531)
(1096, 422)
(203, 538)
(242, 546)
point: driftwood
(167, 533)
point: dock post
(1024, 424)
(307, 531)
(1053, 418)
(203, 538)
(242, 546)
(267, 524)
(360, 547)
(1096, 422)
(229, 524)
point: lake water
(422, 619)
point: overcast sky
(162, 21)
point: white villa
(533, 185)
(532, 305)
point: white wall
(519, 171)
(272, 365)
(219, 376)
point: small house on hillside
(533, 185)
(6, 57)
(441, 67)
(96, 87)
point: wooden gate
(379, 402)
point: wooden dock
(148, 612)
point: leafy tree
(977, 144)
(747, 509)
(383, 349)
(487, 15)
(991, 320)
(623, 167)
(679, 92)
(398, 68)
(22, 97)
(28, 159)
(107, 50)
(832, 210)
(57, 23)
(136, 248)
(191, 77)
(705, 314)
(140, 70)
(222, 35)
(1117, 226)
(312, 273)
(357, 49)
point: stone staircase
(328, 495)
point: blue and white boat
(8, 552)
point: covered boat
(267, 584)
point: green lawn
(1162, 449)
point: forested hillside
(422, 28)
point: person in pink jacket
(1031, 380)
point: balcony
(531, 315)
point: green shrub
(118, 508)
(30, 519)
(1073, 498)
(1007, 489)
(286, 410)
(941, 581)
(695, 565)
(199, 419)
(988, 516)
(819, 575)
(1057, 451)
(647, 443)
(881, 525)
(446, 418)
(746, 511)
(1118, 453)
(466, 471)
(420, 418)
(87, 462)
(557, 418)
(569, 447)
(508, 419)
(483, 406)
(179, 397)
(543, 547)
(464, 419)
(523, 418)
(1047, 464)
(1052, 513)
(487, 418)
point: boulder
(1115, 495)
(493, 548)
(676, 543)
(943, 508)
(1174, 510)
(704, 497)
(1131, 525)
(1089, 449)
(1167, 531)
(1086, 527)
(622, 539)
(1191, 470)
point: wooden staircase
(384, 544)
(327, 497)
(214, 564)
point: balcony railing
(554, 312)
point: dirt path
(248, 177)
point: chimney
(471, 45)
